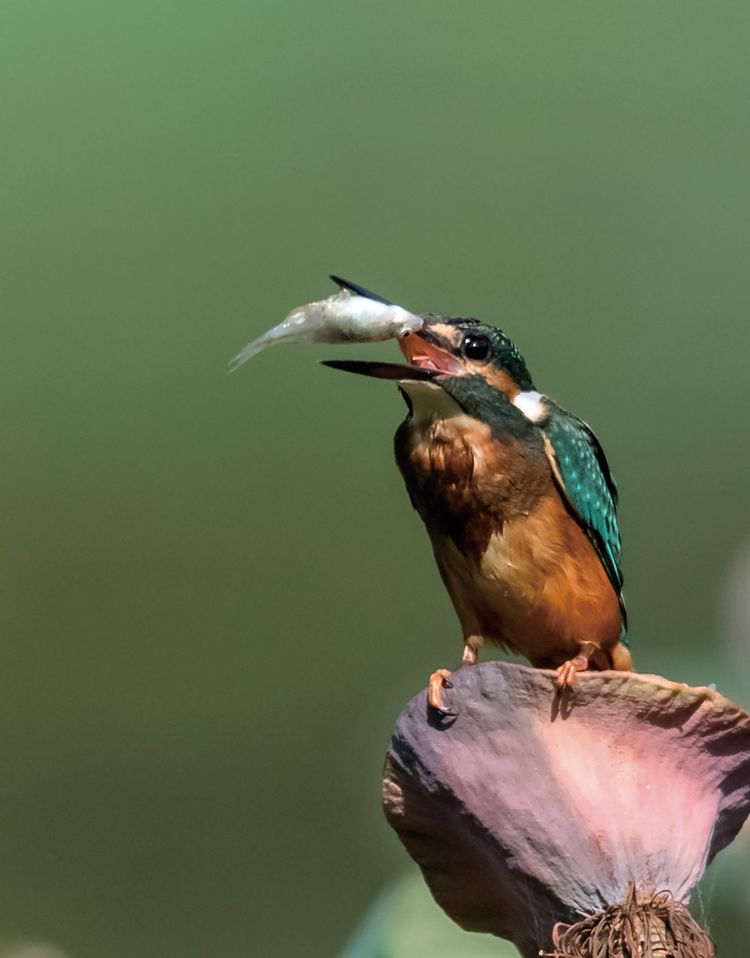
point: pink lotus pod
(529, 813)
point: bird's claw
(567, 672)
(438, 682)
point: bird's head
(467, 347)
(452, 364)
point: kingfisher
(517, 498)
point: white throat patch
(532, 405)
(429, 401)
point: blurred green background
(215, 595)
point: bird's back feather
(586, 482)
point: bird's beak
(423, 349)
(428, 361)
(399, 372)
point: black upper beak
(395, 371)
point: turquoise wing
(584, 477)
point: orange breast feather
(520, 569)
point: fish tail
(252, 349)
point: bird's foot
(438, 682)
(470, 655)
(566, 673)
(439, 679)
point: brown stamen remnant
(574, 824)
(645, 926)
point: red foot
(566, 674)
(587, 652)
(438, 682)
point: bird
(517, 497)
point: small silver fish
(344, 317)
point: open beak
(422, 351)
(427, 362)
(395, 371)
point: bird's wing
(359, 290)
(582, 473)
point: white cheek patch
(532, 405)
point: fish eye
(476, 347)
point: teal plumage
(585, 479)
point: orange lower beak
(419, 352)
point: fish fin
(359, 290)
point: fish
(349, 316)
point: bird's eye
(476, 347)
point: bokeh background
(215, 596)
